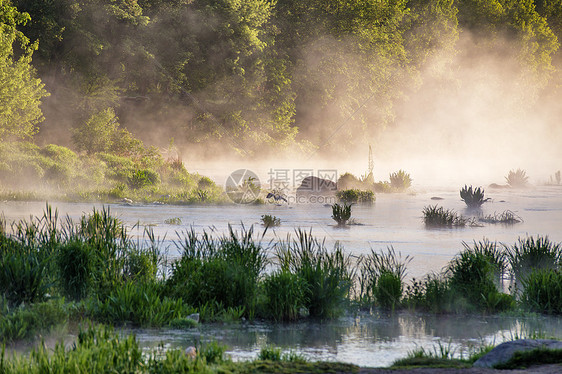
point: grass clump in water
(517, 178)
(400, 180)
(269, 220)
(381, 279)
(327, 275)
(473, 198)
(341, 213)
(506, 218)
(529, 254)
(354, 196)
(437, 216)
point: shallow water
(394, 220)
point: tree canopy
(280, 73)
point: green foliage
(341, 213)
(432, 294)
(437, 216)
(270, 220)
(327, 275)
(517, 179)
(542, 291)
(352, 196)
(224, 271)
(23, 273)
(381, 278)
(400, 180)
(75, 264)
(284, 295)
(20, 90)
(533, 254)
(25, 321)
(143, 178)
(474, 278)
(473, 198)
(270, 354)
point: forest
(255, 77)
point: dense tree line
(283, 73)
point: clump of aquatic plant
(352, 196)
(269, 220)
(473, 198)
(285, 294)
(75, 262)
(495, 254)
(173, 221)
(517, 178)
(270, 354)
(437, 216)
(381, 277)
(400, 180)
(474, 278)
(327, 274)
(542, 291)
(341, 213)
(530, 254)
(507, 217)
(224, 270)
(432, 294)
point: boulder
(317, 187)
(503, 352)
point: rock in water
(503, 352)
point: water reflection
(366, 340)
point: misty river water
(393, 220)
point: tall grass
(341, 213)
(542, 291)
(327, 275)
(226, 270)
(473, 198)
(400, 180)
(530, 254)
(381, 277)
(285, 294)
(437, 216)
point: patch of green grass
(530, 254)
(525, 359)
(437, 216)
(354, 196)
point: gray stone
(503, 352)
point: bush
(143, 178)
(432, 294)
(270, 221)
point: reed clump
(437, 216)
(473, 198)
(341, 213)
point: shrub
(400, 180)
(341, 213)
(517, 178)
(473, 198)
(270, 354)
(355, 196)
(349, 181)
(143, 178)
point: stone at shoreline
(503, 352)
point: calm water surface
(394, 220)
